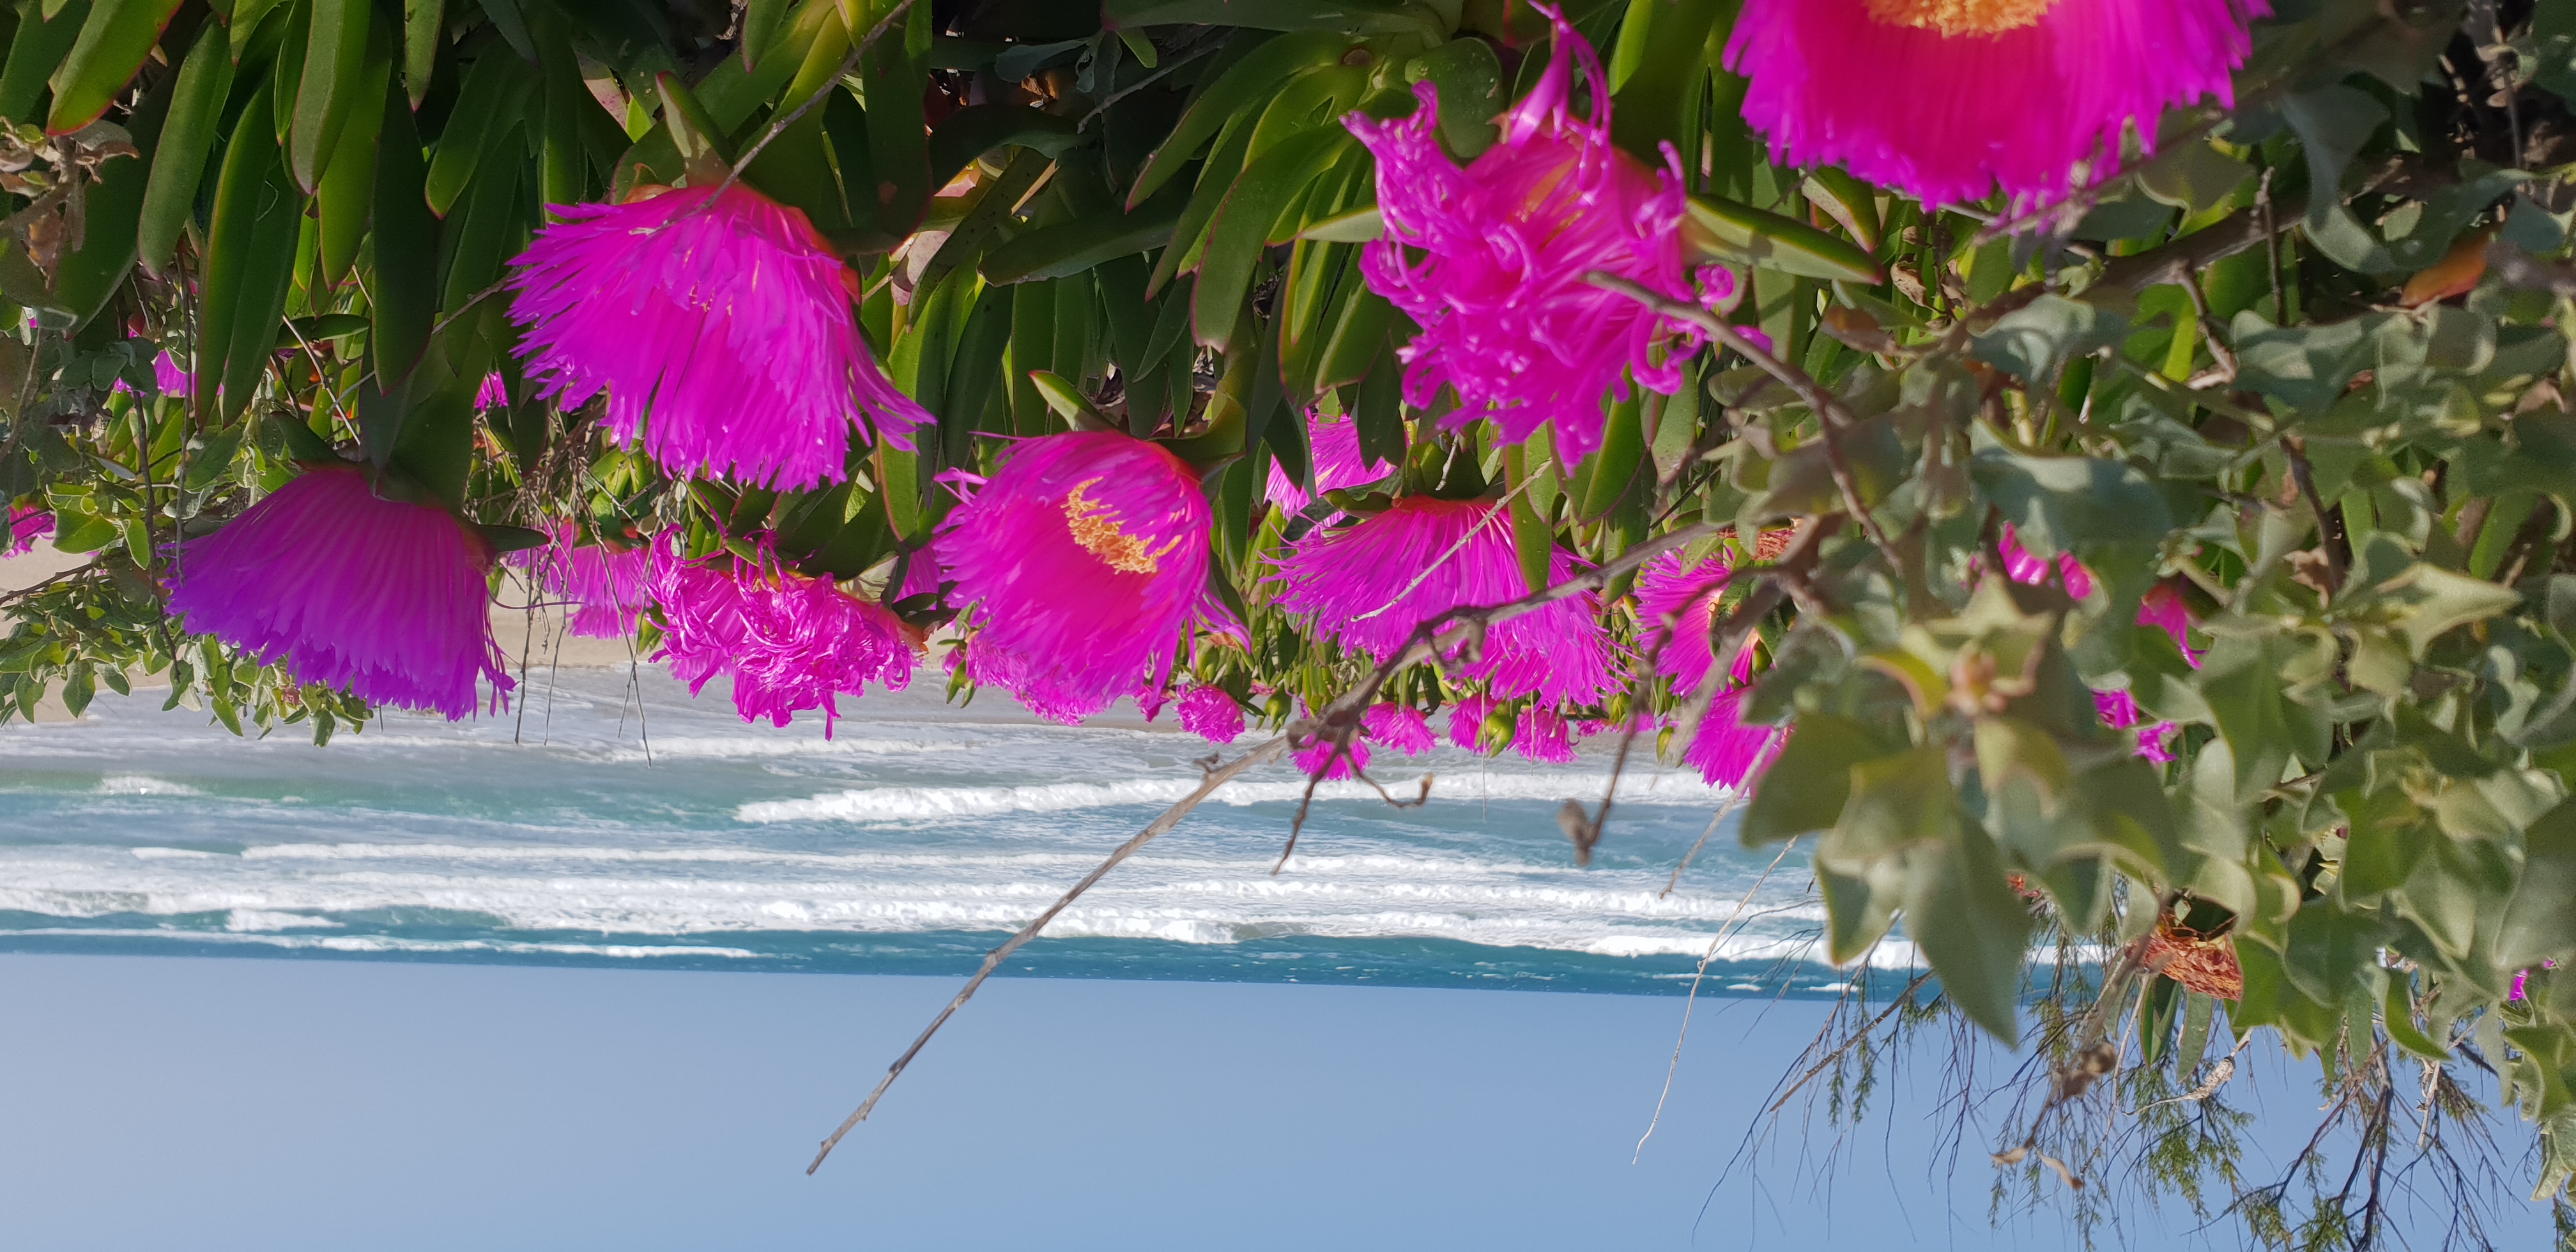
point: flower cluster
(1494, 259)
(719, 324)
(352, 587)
(788, 641)
(1082, 561)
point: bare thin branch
(1828, 407)
(1217, 776)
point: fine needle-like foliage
(2112, 461)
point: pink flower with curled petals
(1543, 736)
(1492, 259)
(1211, 714)
(2162, 608)
(1949, 100)
(352, 588)
(1334, 443)
(1397, 726)
(719, 324)
(789, 642)
(21, 527)
(1321, 759)
(1083, 561)
(1369, 583)
(1467, 721)
(1381, 725)
(2024, 566)
(1725, 750)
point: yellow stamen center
(1099, 534)
(1960, 17)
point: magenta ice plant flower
(1369, 583)
(1543, 736)
(1321, 759)
(790, 642)
(1492, 258)
(22, 526)
(719, 324)
(1334, 442)
(1082, 562)
(350, 587)
(2162, 608)
(607, 587)
(1398, 726)
(1725, 750)
(1381, 725)
(1949, 100)
(1467, 721)
(1211, 714)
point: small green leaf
(337, 81)
(187, 137)
(492, 100)
(1243, 226)
(36, 50)
(1807, 786)
(1081, 244)
(113, 43)
(1360, 225)
(405, 303)
(1719, 229)
(2540, 919)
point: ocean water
(609, 819)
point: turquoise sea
(607, 818)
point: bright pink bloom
(720, 326)
(2162, 608)
(2119, 710)
(1387, 725)
(493, 393)
(920, 578)
(1726, 751)
(381, 597)
(1543, 736)
(790, 642)
(2024, 566)
(1946, 100)
(608, 588)
(1504, 245)
(1467, 721)
(1334, 443)
(1369, 583)
(1398, 726)
(1321, 758)
(1084, 559)
(1211, 714)
(21, 527)
(167, 378)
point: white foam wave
(906, 804)
(143, 785)
(389, 943)
(251, 920)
